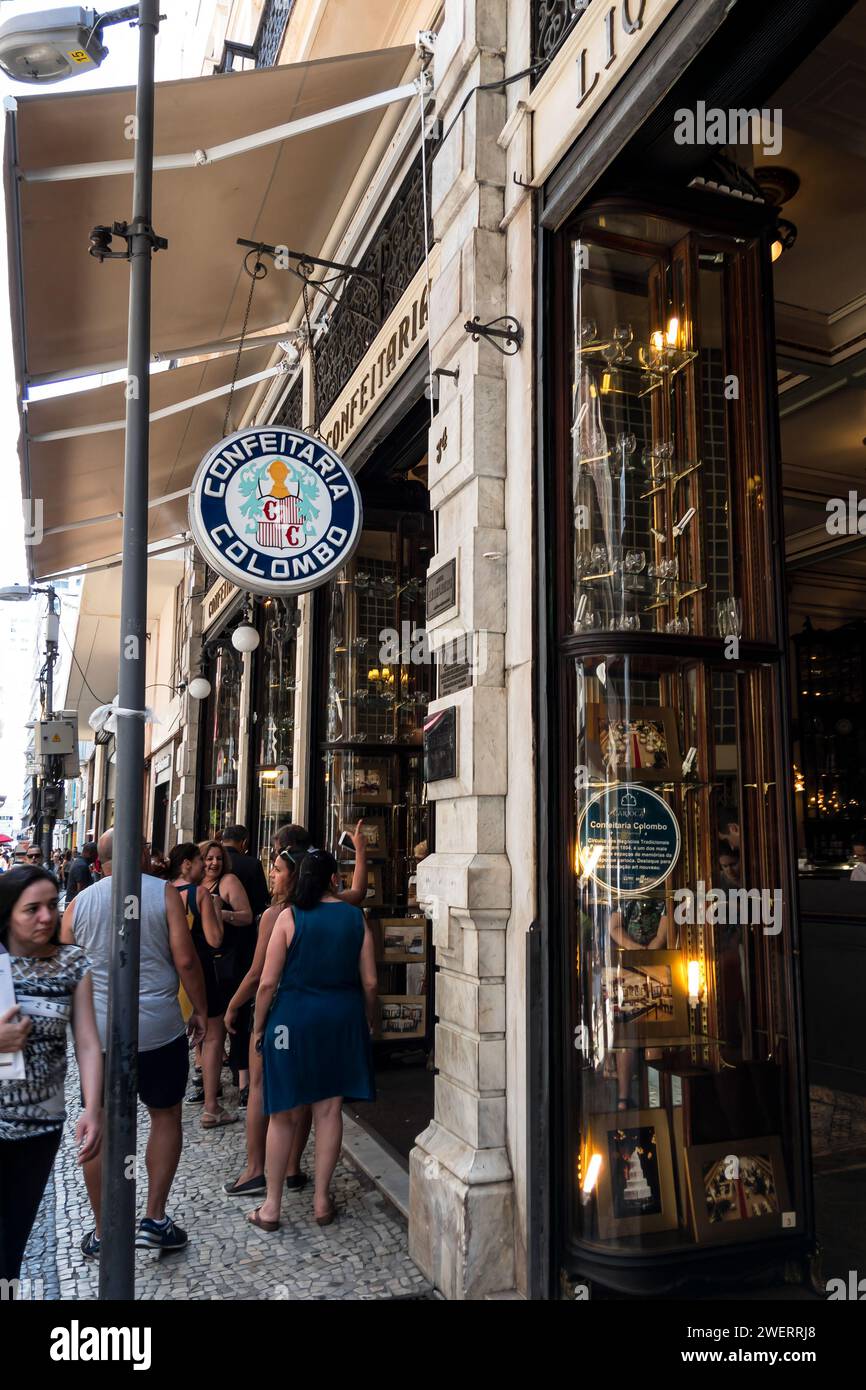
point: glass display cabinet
(273, 719)
(221, 724)
(682, 1104)
(377, 697)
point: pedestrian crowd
(275, 979)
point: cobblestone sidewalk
(363, 1255)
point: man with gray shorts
(168, 959)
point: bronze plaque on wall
(442, 589)
(440, 745)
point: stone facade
(467, 1177)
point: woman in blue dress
(315, 1040)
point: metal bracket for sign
(305, 266)
(511, 333)
(101, 238)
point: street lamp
(56, 44)
(37, 51)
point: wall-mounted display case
(680, 1118)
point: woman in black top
(53, 987)
(186, 872)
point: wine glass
(588, 332)
(623, 337)
(680, 626)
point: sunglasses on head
(292, 857)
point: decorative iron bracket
(511, 333)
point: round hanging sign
(275, 510)
(628, 839)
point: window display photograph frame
(699, 1159)
(660, 723)
(602, 1142)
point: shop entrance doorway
(374, 683)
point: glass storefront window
(681, 1054)
(274, 718)
(221, 726)
(378, 688)
(681, 1093)
(379, 683)
(654, 456)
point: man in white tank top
(168, 959)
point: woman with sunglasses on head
(289, 845)
(53, 987)
(314, 1015)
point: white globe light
(245, 638)
(199, 687)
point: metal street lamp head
(56, 44)
(16, 593)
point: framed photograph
(374, 832)
(402, 941)
(374, 883)
(646, 999)
(642, 748)
(635, 1191)
(368, 784)
(737, 1189)
(402, 1016)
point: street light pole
(117, 1262)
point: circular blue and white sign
(628, 839)
(275, 510)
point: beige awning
(70, 311)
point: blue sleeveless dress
(316, 1040)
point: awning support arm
(195, 159)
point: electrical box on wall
(56, 736)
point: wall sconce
(786, 235)
(199, 687)
(245, 637)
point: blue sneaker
(153, 1235)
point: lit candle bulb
(673, 332)
(592, 1171)
(657, 340)
(694, 976)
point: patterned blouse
(44, 987)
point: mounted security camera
(52, 45)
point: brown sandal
(209, 1120)
(256, 1220)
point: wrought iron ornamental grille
(394, 257)
(292, 409)
(272, 29)
(552, 21)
